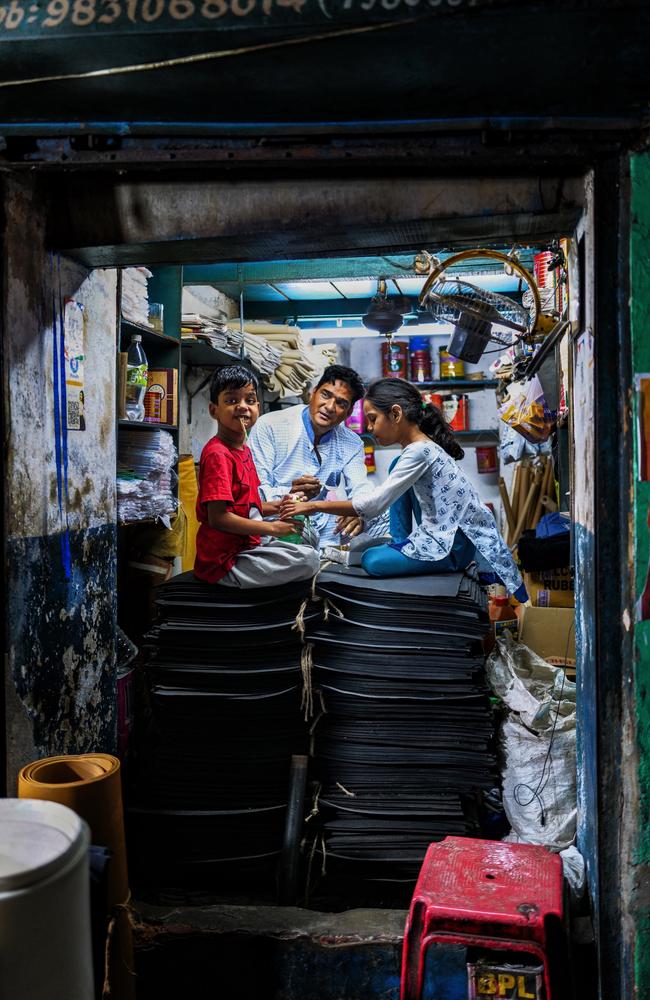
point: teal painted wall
(640, 332)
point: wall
(60, 621)
(638, 743)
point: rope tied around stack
(306, 666)
(306, 657)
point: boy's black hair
(339, 373)
(231, 377)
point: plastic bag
(524, 409)
(513, 447)
(538, 744)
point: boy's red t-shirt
(224, 474)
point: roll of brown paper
(90, 784)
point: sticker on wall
(73, 324)
(642, 385)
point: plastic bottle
(297, 538)
(136, 379)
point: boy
(229, 508)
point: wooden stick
(514, 490)
(538, 476)
(505, 500)
(522, 490)
(524, 513)
(546, 481)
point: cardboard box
(551, 588)
(161, 397)
(549, 632)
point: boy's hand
(282, 528)
(308, 486)
(289, 508)
(271, 508)
(350, 526)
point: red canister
(394, 359)
(455, 410)
(486, 459)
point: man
(308, 450)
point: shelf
(143, 424)
(488, 435)
(202, 355)
(451, 384)
(466, 384)
(148, 335)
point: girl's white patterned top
(449, 502)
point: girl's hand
(283, 528)
(289, 508)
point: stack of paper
(135, 295)
(145, 475)
(299, 365)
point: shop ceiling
(331, 289)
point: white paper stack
(299, 365)
(145, 475)
(135, 295)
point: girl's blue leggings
(387, 560)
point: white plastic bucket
(45, 937)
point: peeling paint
(60, 633)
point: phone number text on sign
(84, 13)
(35, 17)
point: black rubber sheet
(404, 742)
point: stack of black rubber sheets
(225, 688)
(404, 742)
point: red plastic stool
(499, 901)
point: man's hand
(306, 486)
(350, 526)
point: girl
(425, 481)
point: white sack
(539, 788)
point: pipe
(290, 860)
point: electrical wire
(211, 55)
(536, 793)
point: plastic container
(503, 616)
(45, 938)
(455, 410)
(394, 359)
(486, 459)
(420, 359)
(356, 421)
(137, 368)
(450, 367)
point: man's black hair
(231, 377)
(339, 373)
